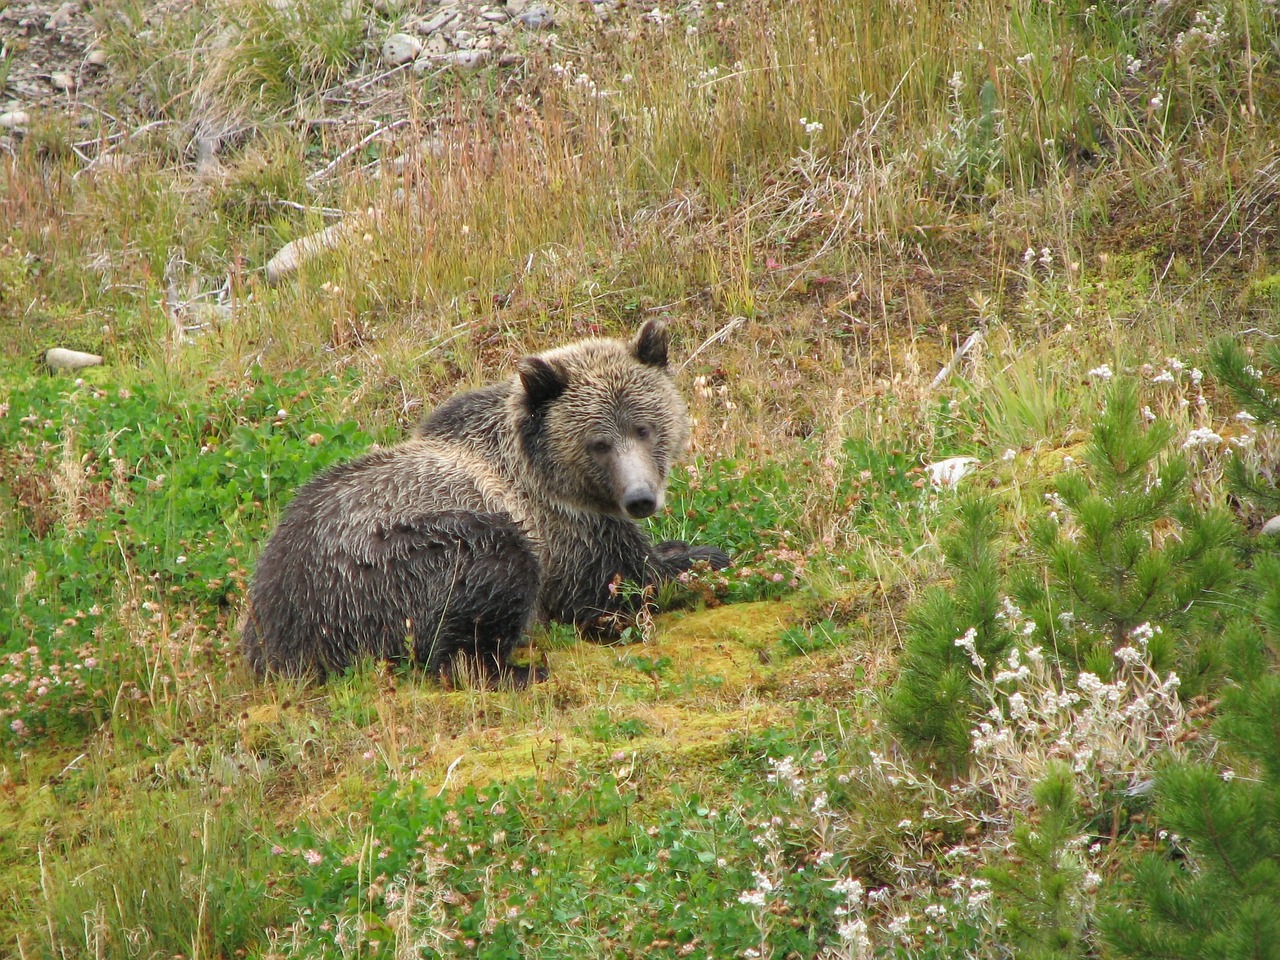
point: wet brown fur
(510, 502)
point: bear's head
(602, 423)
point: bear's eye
(642, 432)
(600, 447)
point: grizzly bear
(510, 503)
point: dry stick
(328, 168)
(974, 339)
(307, 208)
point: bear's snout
(639, 481)
(640, 504)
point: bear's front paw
(682, 556)
(712, 555)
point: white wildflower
(1201, 437)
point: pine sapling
(1253, 472)
(1215, 890)
(1040, 883)
(953, 631)
(1125, 546)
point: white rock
(60, 358)
(468, 61)
(14, 118)
(949, 472)
(464, 39)
(297, 252)
(1272, 526)
(437, 46)
(62, 81)
(399, 49)
(494, 16)
(97, 57)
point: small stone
(97, 57)
(60, 358)
(13, 119)
(297, 252)
(62, 81)
(949, 472)
(494, 16)
(537, 17)
(1272, 526)
(443, 18)
(399, 49)
(437, 46)
(464, 39)
(468, 61)
(61, 18)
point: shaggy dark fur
(587, 434)
(514, 501)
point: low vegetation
(1028, 709)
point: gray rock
(537, 17)
(468, 61)
(1272, 526)
(61, 18)
(399, 49)
(444, 16)
(12, 119)
(62, 81)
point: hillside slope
(884, 236)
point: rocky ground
(54, 57)
(51, 58)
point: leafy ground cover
(1013, 715)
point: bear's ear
(650, 346)
(542, 381)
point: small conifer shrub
(1213, 890)
(953, 631)
(1254, 471)
(1125, 545)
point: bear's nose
(640, 505)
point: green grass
(155, 801)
